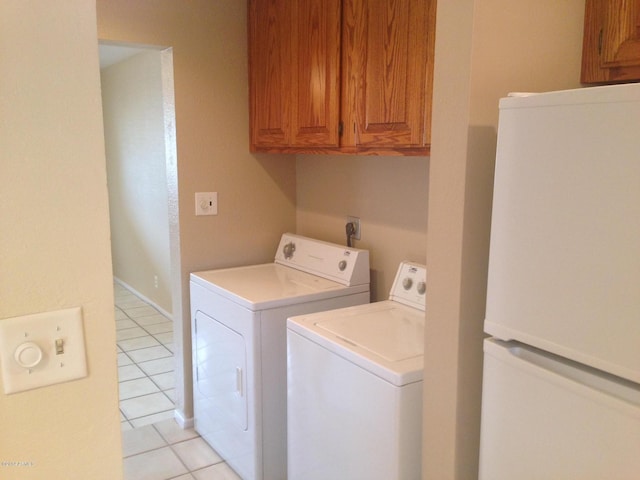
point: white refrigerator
(561, 383)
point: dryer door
(220, 401)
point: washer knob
(288, 250)
(422, 287)
(342, 265)
(28, 355)
(406, 283)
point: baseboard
(143, 297)
(183, 422)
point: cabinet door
(611, 46)
(387, 62)
(315, 100)
(294, 51)
(270, 72)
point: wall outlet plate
(42, 349)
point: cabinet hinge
(340, 129)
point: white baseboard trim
(148, 300)
(183, 422)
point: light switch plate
(206, 203)
(42, 349)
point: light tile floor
(154, 446)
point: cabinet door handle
(600, 42)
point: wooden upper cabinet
(316, 72)
(270, 67)
(341, 76)
(294, 65)
(611, 45)
(388, 64)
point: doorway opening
(141, 153)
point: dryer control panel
(345, 265)
(410, 285)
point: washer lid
(270, 285)
(392, 333)
(385, 338)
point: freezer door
(547, 419)
(564, 266)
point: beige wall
(256, 193)
(134, 128)
(388, 194)
(54, 240)
(484, 49)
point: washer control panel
(410, 285)
(346, 265)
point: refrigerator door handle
(587, 381)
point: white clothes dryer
(355, 387)
(239, 344)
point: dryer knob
(342, 265)
(406, 283)
(422, 287)
(288, 250)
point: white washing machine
(355, 387)
(239, 344)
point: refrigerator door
(564, 266)
(544, 418)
